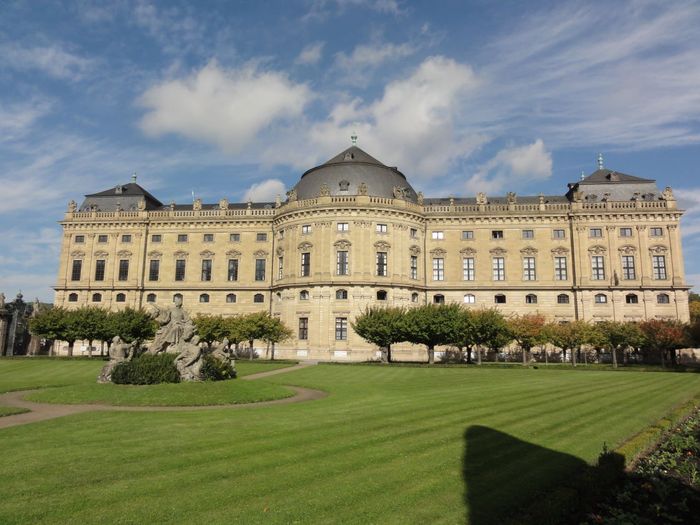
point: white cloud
(365, 57)
(52, 60)
(512, 166)
(17, 119)
(265, 191)
(225, 107)
(311, 54)
(320, 9)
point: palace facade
(353, 233)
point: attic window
(612, 176)
(348, 156)
(344, 185)
(118, 189)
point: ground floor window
(341, 328)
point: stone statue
(292, 195)
(223, 204)
(72, 206)
(541, 198)
(510, 196)
(667, 194)
(141, 206)
(362, 189)
(420, 199)
(2, 300)
(324, 191)
(189, 360)
(175, 327)
(481, 198)
(278, 201)
(119, 351)
(197, 204)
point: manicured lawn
(10, 411)
(246, 368)
(389, 445)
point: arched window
(438, 299)
(231, 298)
(499, 299)
(96, 297)
(177, 296)
(563, 298)
(470, 298)
(341, 294)
(531, 298)
(121, 298)
(601, 298)
(73, 298)
(663, 298)
(631, 298)
(151, 298)
(259, 298)
(204, 298)
(304, 295)
(381, 295)
(414, 297)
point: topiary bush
(147, 369)
(214, 369)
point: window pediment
(467, 252)
(206, 254)
(382, 245)
(597, 249)
(628, 249)
(498, 251)
(155, 255)
(181, 254)
(260, 254)
(233, 253)
(304, 246)
(529, 250)
(101, 254)
(658, 249)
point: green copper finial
(600, 161)
(353, 138)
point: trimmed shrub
(147, 369)
(214, 369)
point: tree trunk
(546, 358)
(563, 355)
(585, 358)
(478, 355)
(524, 356)
(431, 354)
(388, 353)
(469, 355)
(70, 348)
(663, 361)
(252, 351)
(272, 352)
(573, 357)
(673, 357)
(614, 357)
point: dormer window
(348, 156)
(344, 185)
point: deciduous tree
(381, 327)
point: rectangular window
(80, 239)
(656, 232)
(102, 239)
(100, 270)
(153, 270)
(303, 328)
(596, 232)
(467, 235)
(305, 264)
(497, 234)
(414, 267)
(233, 269)
(261, 237)
(342, 267)
(123, 269)
(529, 269)
(414, 233)
(468, 268)
(305, 229)
(381, 228)
(234, 237)
(528, 234)
(208, 237)
(499, 268)
(341, 328)
(259, 269)
(126, 238)
(438, 235)
(597, 268)
(628, 271)
(558, 234)
(76, 270)
(625, 232)
(560, 269)
(658, 265)
(280, 267)
(180, 269)
(381, 264)
(181, 237)
(206, 269)
(438, 269)
(156, 238)
(343, 227)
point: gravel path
(44, 411)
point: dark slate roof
(126, 196)
(344, 173)
(604, 176)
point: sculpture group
(176, 335)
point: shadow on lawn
(504, 477)
(509, 481)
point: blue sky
(237, 99)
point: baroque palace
(353, 232)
